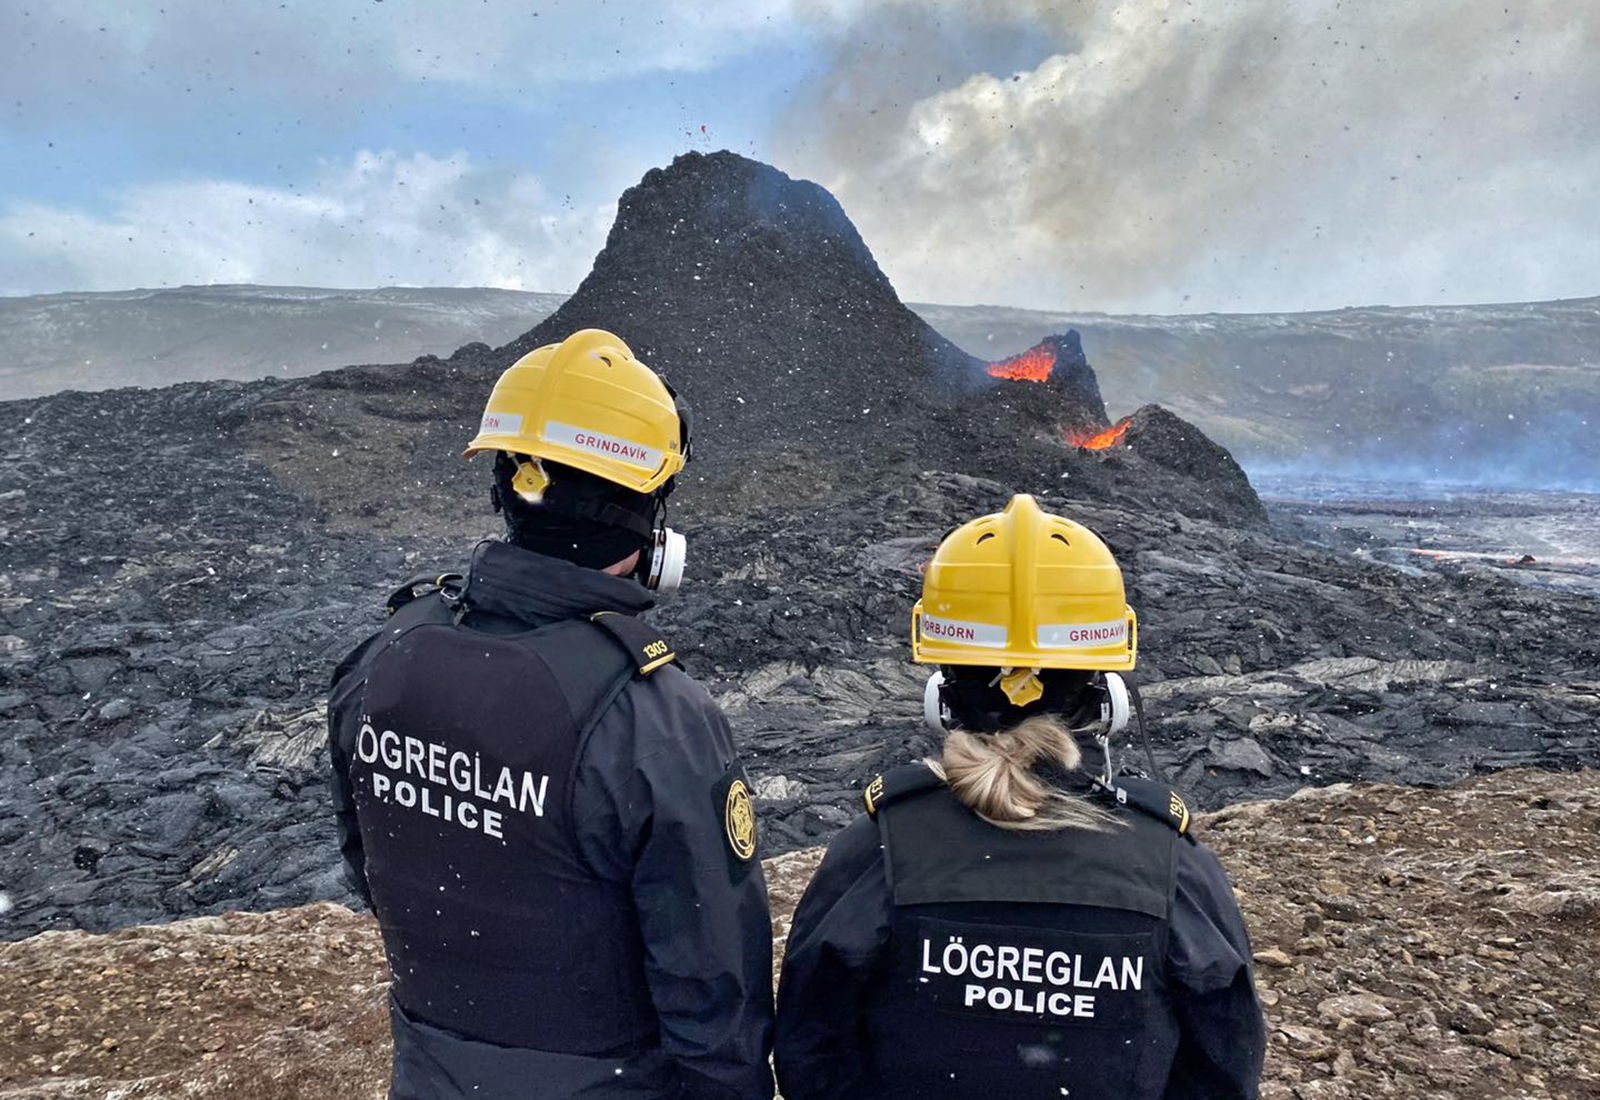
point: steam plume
(1245, 155)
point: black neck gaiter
(546, 528)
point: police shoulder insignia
(739, 820)
(734, 809)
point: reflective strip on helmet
(1083, 635)
(610, 446)
(494, 423)
(953, 630)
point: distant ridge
(1505, 394)
(107, 340)
(1414, 386)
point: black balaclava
(979, 704)
(564, 525)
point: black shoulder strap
(646, 652)
(406, 608)
(1149, 797)
(644, 644)
(429, 583)
(897, 783)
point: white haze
(1226, 155)
(379, 219)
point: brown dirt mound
(1408, 943)
(248, 1005)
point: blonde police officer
(1002, 922)
(545, 813)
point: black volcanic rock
(1501, 394)
(1058, 362)
(1072, 376)
(754, 294)
(1171, 442)
(181, 568)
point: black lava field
(180, 569)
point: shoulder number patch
(1179, 811)
(739, 820)
(873, 795)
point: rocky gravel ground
(1425, 943)
(1409, 943)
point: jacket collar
(1081, 779)
(509, 581)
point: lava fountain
(1099, 441)
(1032, 365)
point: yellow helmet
(588, 403)
(1024, 589)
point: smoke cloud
(1248, 155)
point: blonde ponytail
(993, 775)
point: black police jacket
(935, 955)
(548, 819)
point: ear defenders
(1115, 705)
(668, 551)
(1115, 708)
(934, 711)
(662, 565)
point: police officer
(999, 924)
(545, 813)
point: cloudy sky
(1075, 154)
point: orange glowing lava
(1032, 365)
(1099, 441)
